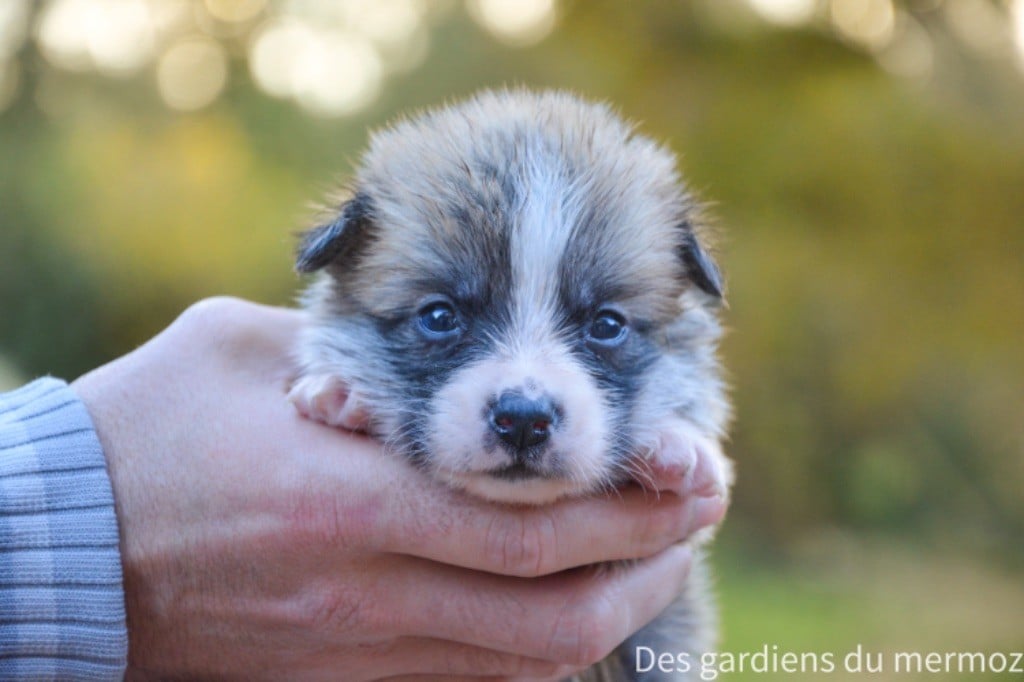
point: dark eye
(438, 319)
(608, 327)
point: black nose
(522, 422)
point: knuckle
(585, 634)
(503, 532)
(217, 320)
(519, 666)
(666, 523)
(212, 311)
(337, 611)
(521, 545)
(489, 662)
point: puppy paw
(689, 463)
(327, 399)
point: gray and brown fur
(530, 214)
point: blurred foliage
(837, 592)
(872, 237)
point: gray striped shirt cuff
(62, 611)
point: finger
(708, 511)
(562, 672)
(236, 333)
(356, 495)
(225, 317)
(531, 541)
(576, 617)
(431, 656)
(373, 499)
(402, 510)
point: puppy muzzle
(521, 423)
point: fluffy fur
(534, 226)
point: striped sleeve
(62, 611)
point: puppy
(516, 297)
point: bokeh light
(785, 12)
(13, 26)
(910, 54)
(330, 58)
(62, 33)
(335, 58)
(192, 73)
(121, 41)
(398, 29)
(329, 72)
(980, 25)
(114, 37)
(336, 73)
(235, 10)
(272, 52)
(515, 22)
(13, 30)
(868, 22)
(1018, 30)
(389, 21)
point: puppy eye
(609, 327)
(438, 319)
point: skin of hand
(259, 545)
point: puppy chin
(535, 491)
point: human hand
(259, 545)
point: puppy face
(517, 293)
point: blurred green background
(866, 163)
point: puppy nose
(522, 422)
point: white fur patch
(538, 244)
(576, 456)
(532, 359)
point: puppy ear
(700, 268)
(337, 239)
